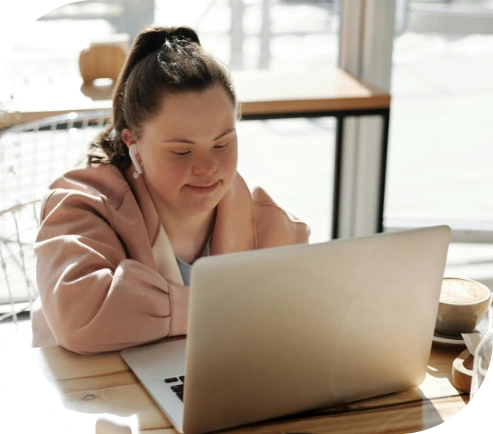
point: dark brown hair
(162, 61)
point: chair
(103, 60)
(18, 225)
(32, 155)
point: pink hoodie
(100, 289)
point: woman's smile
(203, 189)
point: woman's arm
(94, 298)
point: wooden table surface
(56, 391)
(261, 93)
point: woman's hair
(162, 61)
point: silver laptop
(289, 329)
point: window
(440, 159)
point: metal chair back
(32, 155)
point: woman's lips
(203, 189)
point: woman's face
(189, 151)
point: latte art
(463, 304)
(459, 291)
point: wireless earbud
(133, 156)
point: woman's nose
(205, 165)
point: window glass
(440, 159)
(263, 34)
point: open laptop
(283, 330)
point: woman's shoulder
(102, 181)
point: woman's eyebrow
(193, 143)
(220, 136)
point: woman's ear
(128, 137)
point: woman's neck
(188, 235)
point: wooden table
(56, 391)
(264, 95)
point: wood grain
(405, 418)
(61, 389)
(462, 371)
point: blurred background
(440, 160)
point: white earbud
(133, 156)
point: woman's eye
(220, 146)
(181, 154)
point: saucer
(447, 339)
(458, 340)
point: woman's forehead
(212, 95)
(183, 113)
(194, 117)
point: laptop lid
(283, 330)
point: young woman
(160, 190)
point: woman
(118, 237)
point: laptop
(284, 330)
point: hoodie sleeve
(94, 298)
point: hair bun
(185, 33)
(152, 38)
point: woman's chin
(201, 207)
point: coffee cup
(463, 304)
